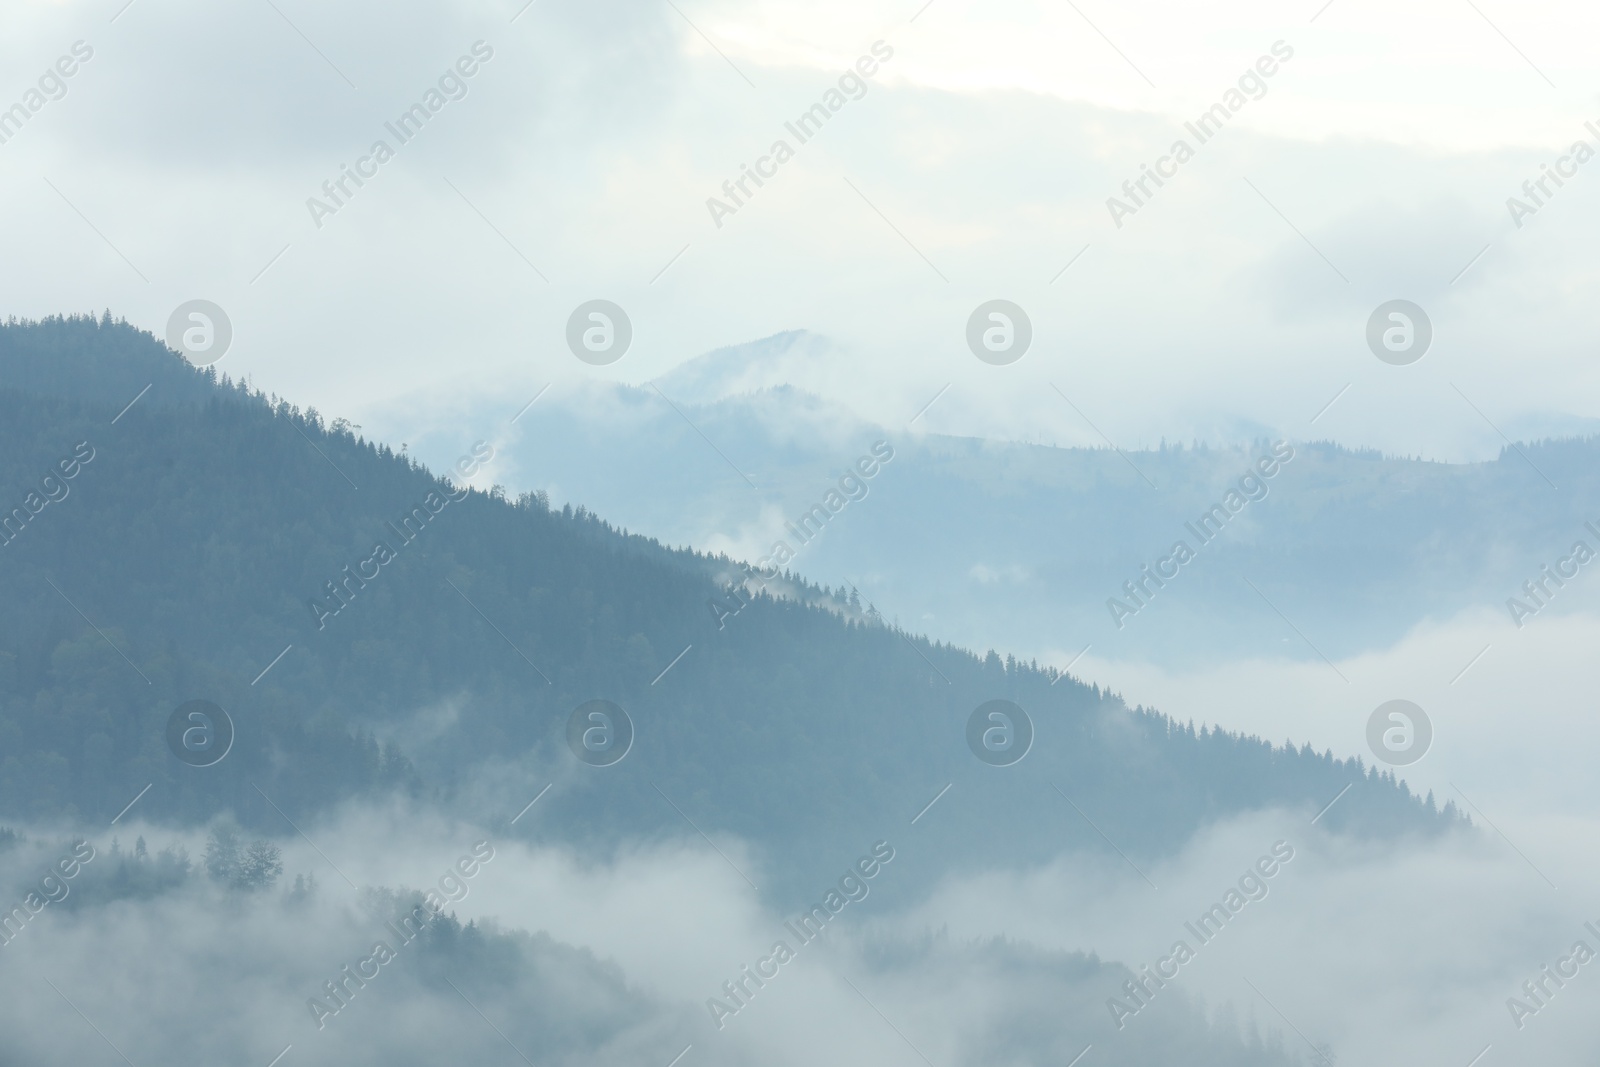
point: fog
(1527, 770)
(1392, 953)
(194, 139)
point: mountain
(1029, 546)
(370, 627)
(795, 359)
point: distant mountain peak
(797, 358)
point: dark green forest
(186, 554)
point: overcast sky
(976, 165)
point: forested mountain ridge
(188, 552)
(1365, 547)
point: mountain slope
(190, 550)
(1033, 540)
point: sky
(576, 162)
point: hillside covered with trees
(206, 529)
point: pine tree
(222, 854)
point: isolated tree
(303, 890)
(260, 867)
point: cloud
(1405, 950)
(1464, 671)
(626, 946)
(585, 151)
